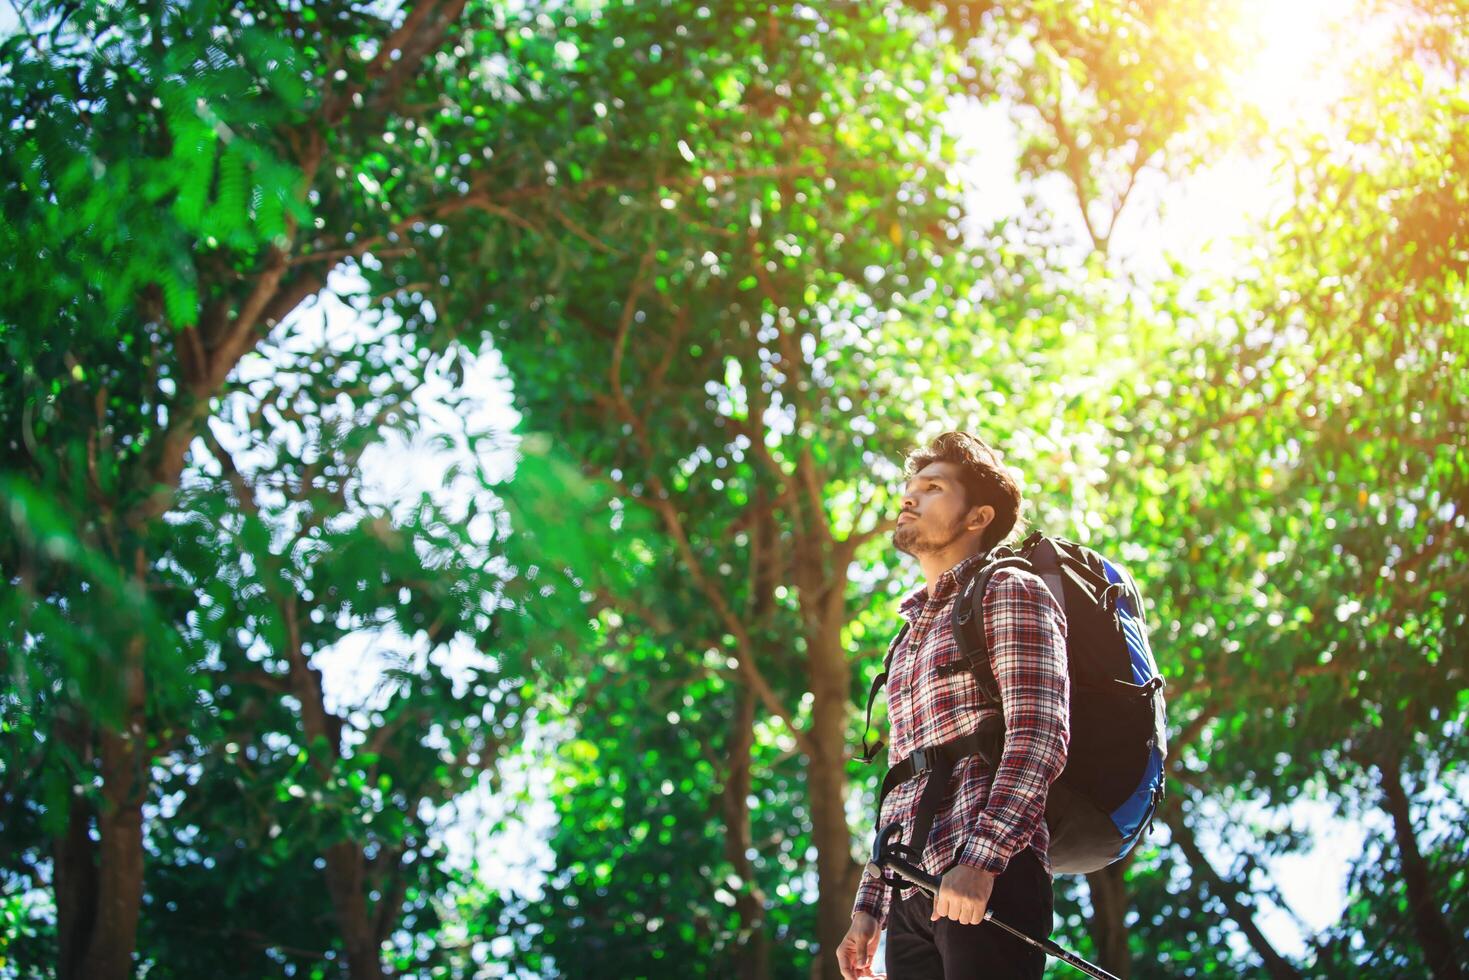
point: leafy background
(449, 450)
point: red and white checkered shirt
(988, 815)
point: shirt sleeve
(1026, 631)
(871, 898)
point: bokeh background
(448, 452)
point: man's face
(934, 515)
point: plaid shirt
(988, 814)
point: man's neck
(935, 564)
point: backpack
(1099, 806)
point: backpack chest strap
(938, 761)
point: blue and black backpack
(1105, 798)
(1113, 781)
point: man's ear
(983, 515)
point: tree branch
(662, 503)
(1228, 892)
(1075, 171)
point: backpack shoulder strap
(869, 752)
(967, 620)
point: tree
(1313, 456)
(171, 197)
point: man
(988, 839)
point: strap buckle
(922, 762)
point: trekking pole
(929, 884)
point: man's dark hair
(982, 472)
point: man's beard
(907, 540)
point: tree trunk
(754, 946)
(1108, 922)
(826, 778)
(1433, 932)
(346, 865)
(346, 881)
(119, 880)
(125, 776)
(1231, 894)
(826, 785)
(74, 868)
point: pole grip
(926, 882)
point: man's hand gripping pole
(887, 857)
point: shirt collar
(947, 583)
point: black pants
(919, 949)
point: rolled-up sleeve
(1026, 631)
(871, 898)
